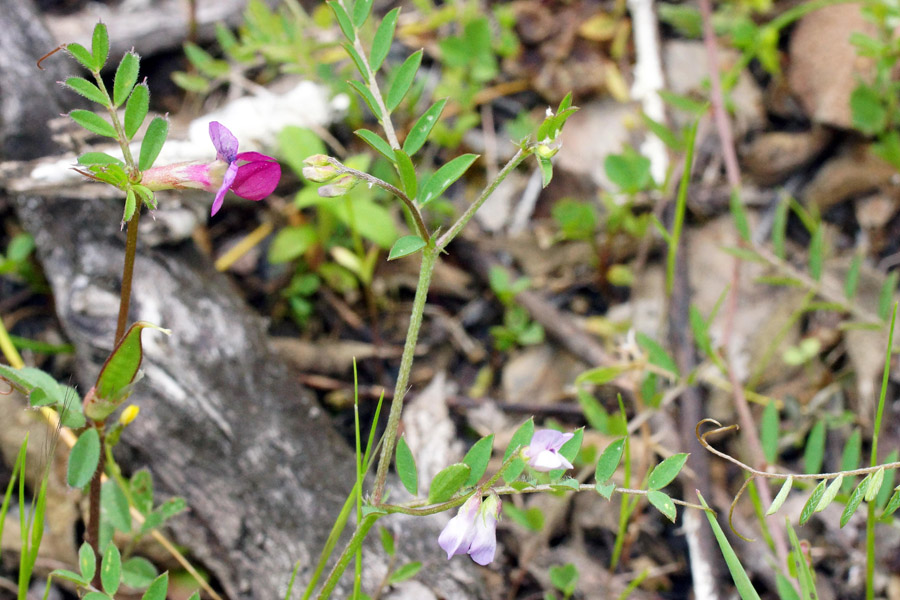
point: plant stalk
(429, 259)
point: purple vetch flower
(250, 175)
(543, 452)
(473, 530)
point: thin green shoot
(873, 460)
(738, 574)
(680, 207)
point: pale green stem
(873, 460)
(372, 84)
(429, 258)
(460, 223)
(349, 552)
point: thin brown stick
(733, 174)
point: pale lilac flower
(250, 175)
(543, 452)
(473, 530)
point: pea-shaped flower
(473, 530)
(250, 175)
(543, 454)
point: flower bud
(320, 168)
(129, 414)
(339, 187)
(548, 149)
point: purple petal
(484, 542)
(548, 439)
(227, 180)
(457, 535)
(256, 180)
(224, 141)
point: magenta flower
(543, 452)
(473, 530)
(250, 175)
(253, 179)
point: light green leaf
(663, 473)
(111, 569)
(387, 541)
(292, 242)
(605, 489)
(138, 572)
(81, 54)
(609, 461)
(377, 142)
(531, 519)
(405, 464)
(361, 10)
(447, 482)
(114, 507)
(405, 246)
(662, 503)
(830, 493)
(814, 452)
(98, 158)
(136, 109)
(93, 123)
(407, 173)
(478, 457)
(657, 354)
(417, 136)
(83, 459)
(343, 19)
(87, 561)
(86, 89)
(126, 77)
(406, 74)
(381, 44)
(875, 484)
(157, 589)
(445, 176)
(153, 142)
(521, 438)
(855, 499)
(407, 571)
(99, 46)
(122, 366)
(781, 496)
(812, 502)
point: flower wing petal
(227, 180)
(484, 540)
(546, 461)
(224, 141)
(457, 535)
(256, 180)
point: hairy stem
(429, 259)
(460, 223)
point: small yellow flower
(129, 414)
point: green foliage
(447, 482)
(406, 467)
(532, 519)
(477, 458)
(83, 459)
(564, 578)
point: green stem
(873, 460)
(429, 259)
(347, 555)
(460, 223)
(372, 84)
